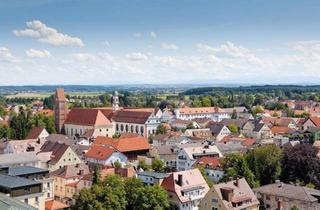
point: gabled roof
(132, 116)
(71, 171)
(34, 133)
(281, 130)
(100, 152)
(216, 128)
(56, 148)
(239, 122)
(55, 205)
(316, 121)
(89, 117)
(191, 179)
(241, 192)
(289, 191)
(24, 170)
(244, 141)
(208, 162)
(124, 144)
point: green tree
(294, 208)
(190, 126)
(265, 163)
(96, 175)
(152, 197)
(206, 101)
(203, 173)
(132, 185)
(117, 164)
(158, 165)
(235, 165)
(142, 164)
(161, 129)
(5, 131)
(233, 128)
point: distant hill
(256, 89)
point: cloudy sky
(159, 41)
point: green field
(47, 94)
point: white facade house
(190, 153)
(186, 189)
(105, 156)
(213, 113)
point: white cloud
(38, 30)
(153, 34)
(137, 35)
(230, 50)
(167, 46)
(137, 56)
(6, 55)
(32, 53)
(106, 43)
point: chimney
(81, 172)
(180, 181)
(237, 183)
(227, 193)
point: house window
(48, 195)
(137, 129)
(121, 127)
(132, 129)
(117, 127)
(141, 129)
(26, 200)
(127, 128)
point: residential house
(22, 189)
(311, 122)
(69, 180)
(219, 131)
(151, 178)
(168, 154)
(256, 129)
(38, 133)
(238, 140)
(212, 167)
(183, 124)
(202, 133)
(130, 145)
(185, 189)
(281, 196)
(170, 138)
(20, 159)
(60, 155)
(105, 155)
(235, 194)
(190, 153)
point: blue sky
(153, 41)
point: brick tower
(60, 109)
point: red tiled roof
(34, 133)
(195, 110)
(281, 130)
(315, 120)
(90, 117)
(100, 152)
(208, 162)
(55, 205)
(245, 141)
(124, 144)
